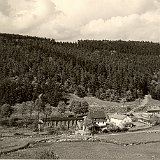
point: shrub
(17, 122)
(46, 154)
(6, 110)
(20, 123)
(12, 122)
(61, 107)
(105, 130)
(79, 107)
(80, 91)
(155, 120)
(113, 128)
(4, 122)
(124, 129)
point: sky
(71, 20)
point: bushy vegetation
(46, 154)
(155, 120)
(62, 129)
(6, 110)
(79, 107)
(112, 128)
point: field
(132, 138)
(92, 150)
(148, 149)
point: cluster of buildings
(149, 111)
(94, 119)
(99, 119)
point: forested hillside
(109, 70)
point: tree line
(109, 70)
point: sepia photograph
(80, 79)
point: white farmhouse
(97, 117)
(120, 120)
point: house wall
(101, 124)
(126, 120)
(117, 122)
(80, 124)
(120, 123)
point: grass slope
(147, 103)
(108, 106)
(136, 106)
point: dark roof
(100, 120)
(100, 114)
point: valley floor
(92, 150)
(142, 145)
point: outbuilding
(120, 120)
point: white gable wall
(120, 123)
(117, 122)
(101, 124)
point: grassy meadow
(104, 149)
